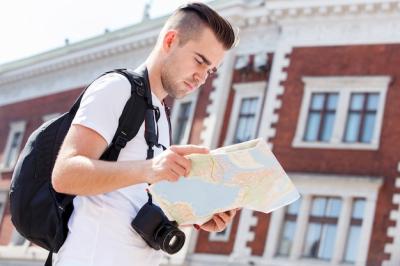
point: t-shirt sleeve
(102, 105)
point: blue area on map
(260, 157)
(204, 197)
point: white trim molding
(15, 127)
(347, 188)
(192, 99)
(242, 91)
(275, 89)
(394, 231)
(215, 110)
(344, 86)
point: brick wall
(358, 60)
(203, 244)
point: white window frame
(3, 198)
(14, 128)
(347, 188)
(244, 90)
(175, 115)
(213, 236)
(50, 116)
(344, 86)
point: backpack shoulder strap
(131, 118)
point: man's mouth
(190, 86)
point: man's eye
(198, 61)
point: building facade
(318, 80)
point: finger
(189, 149)
(220, 224)
(176, 168)
(183, 162)
(224, 216)
(232, 213)
(172, 176)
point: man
(191, 46)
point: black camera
(158, 232)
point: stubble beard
(170, 85)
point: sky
(29, 27)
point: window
(3, 197)
(246, 121)
(17, 239)
(182, 118)
(341, 112)
(331, 225)
(322, 227)
(288, 229)
(361, 117)
(13, 145)
(321, 117)
(353, 238)
(245, 112)
(221, 236)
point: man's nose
(201, 77)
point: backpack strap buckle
(121, 141)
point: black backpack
(38, 212)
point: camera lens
(172, 240)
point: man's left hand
(219, 221)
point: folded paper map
(244, 175)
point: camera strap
(152, 115)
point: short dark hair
(190, 18)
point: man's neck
(154, 73)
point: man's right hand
(172, 163)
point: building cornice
(241, 12)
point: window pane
(17, 239)
(294, 207)
(317, 101)
(312, 128)
(222, 233)
(327, 128)
(318, 207)
(334, 207)
(253, 105)
(245, 109)
(369, 125)
(373, 100)
(186, 109)
(246, 121)
(327, 242)
(287, 238)
(357, 101)
(358, 208)
(13, 152)
(182, 121)
(239, 131)
(352, 127)
(332, 101)
(353, 242)
(312, 241)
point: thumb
(189, 149)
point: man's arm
(79, 171)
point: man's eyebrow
(214, 69)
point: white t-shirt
(100, 232)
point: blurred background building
(319, 80)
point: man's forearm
(80, 175)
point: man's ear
(170, 39)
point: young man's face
(187, 67)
